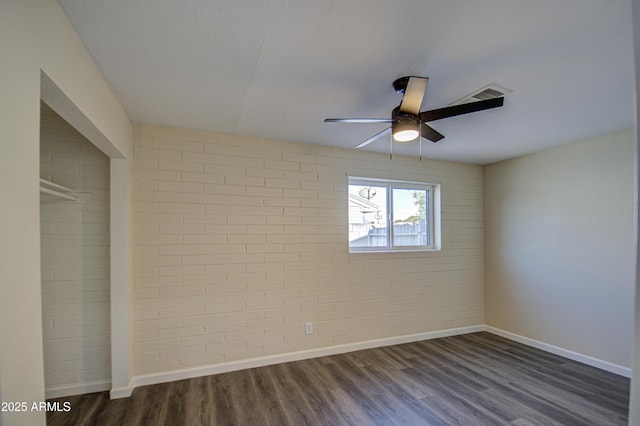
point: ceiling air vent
(489, 91)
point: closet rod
(55, 185)
(56, 193)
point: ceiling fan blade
(358, 120)
(430, 133)
(451, 111)
(374, 137)
(413, 94)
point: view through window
(387, 215)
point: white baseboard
(188, 373)
(76, 389)
(207, 370)
(585, 359)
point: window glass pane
(368, 216)
(410, 221)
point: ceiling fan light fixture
(406, 130)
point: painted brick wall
(75, 262)
(239, 241)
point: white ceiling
(277, 68)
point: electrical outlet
(308, 328)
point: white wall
(560, 248)
(634, 400)
(36, 37)
(74, 261)
(240, 241)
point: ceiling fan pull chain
(420, 144)
(391, 147)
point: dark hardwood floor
(473, 379)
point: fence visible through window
(390, 215)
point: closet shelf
(48, 187)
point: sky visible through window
(404, 205)
(390, 215)
(374, 194)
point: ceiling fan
(408, 123)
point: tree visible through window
(410, 227)
(390, 215)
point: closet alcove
(75, 263)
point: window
(387, 215)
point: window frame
(433, 214)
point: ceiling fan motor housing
(405, 126)
(397, 115)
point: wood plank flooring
(473, 379)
